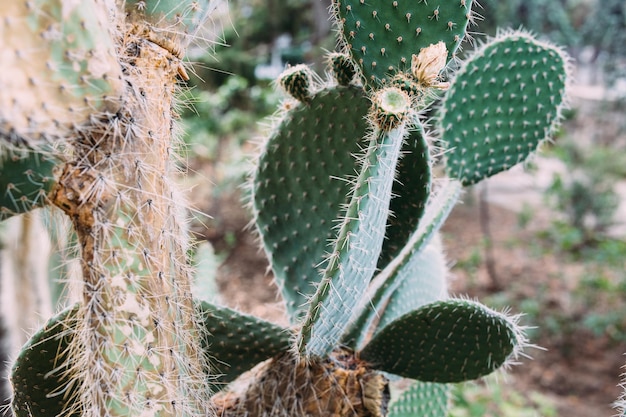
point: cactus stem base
(284, 386)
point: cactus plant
(347, 206)
(88, 96)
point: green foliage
(584, 195)
(561, 21)
(496, 399)
(605, 30)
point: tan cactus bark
(138, 347)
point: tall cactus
(100, 79)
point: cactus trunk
(284, 386)
(137, 344)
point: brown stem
(287, 386)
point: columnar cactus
(86, 125)
(347, 206)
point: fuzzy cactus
(361, 272)
(360, 282)
(347, 207)
(86, 125)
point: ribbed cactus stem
(136, 348)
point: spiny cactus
(91, 87)
(326, 245)
(347, 208)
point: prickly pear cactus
(374, 283)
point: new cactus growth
(347, 208)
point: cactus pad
(352, 263)
(239, 341)
(410, 194)
(39, 375)
(382, 36)
(297, 200)
(423, 399)
(505, 101)
(25, 179)
(425, 344)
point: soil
(577, 370)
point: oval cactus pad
(505, 101)
(382, 36)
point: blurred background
(546, 239)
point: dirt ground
(575, 369)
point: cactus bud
(296, 81)
(343, 68)
(427, 65)
(390, 107)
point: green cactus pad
(352, 262)
(238, 341)
(425, 344)
(39, 376)
(423, 399)
(505, 101)
(25, 179)
(411, 191)
(407, 266)
(382, 36)
(299, 187)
